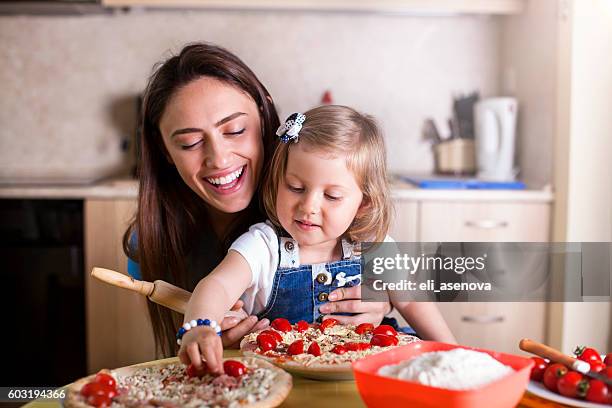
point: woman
(208, 130)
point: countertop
(124, 188)
(321, 394)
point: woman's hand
(200, 344)
(348, 300)
(238, 325)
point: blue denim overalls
(299, 290)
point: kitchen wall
(69, 81)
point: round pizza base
(282, 385)
(327, 372)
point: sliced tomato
(385, 329)
(598, 392)
(352, 346)
(192, 371)
(382, 340)
(281, 324)
(275, 334)
(106, 379)
(339, 349)
(364, 328)
(552, 374)
(302, 326)
(234, 368)
(537, 371)
(572, 385)
(587, 354)
(297, 347)
(314, 349)
(328, 323)
(99, 401)
(266, 342)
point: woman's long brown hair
(169, 212)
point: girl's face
(212, 132)
(319, 197)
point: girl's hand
(348, 300)
(235, 328)
(202, 344)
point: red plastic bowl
(384, 392)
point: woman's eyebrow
(198, 130)
(228, 118)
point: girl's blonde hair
(340, 129)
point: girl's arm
(211, 299)
(426, 320)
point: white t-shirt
(259, 246)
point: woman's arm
(426, 320)
(348, 300)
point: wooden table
(323, 394)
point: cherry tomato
(552, 374)
(587, 354)
(597, 366)
(382, 340)
(607, 372)
(266, 342)
(598, 392)
(328, 323)
(572, 385)
(339, 349)
(385, 329)
(302, 326)
(537, 371)
(192, 371)
(297, 347)
(275, 334)
(281, 324)
(608, 359)
(314, 349)
(234, 368)
(93, 388)
(364, 328)
(106, 379)
(99, 401)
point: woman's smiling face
(212, 133)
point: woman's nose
(217, 154)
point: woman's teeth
(219, 181)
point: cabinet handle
(486, 224)
(483, 319)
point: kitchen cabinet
(119, 330)
(502, 7)
(457, 218)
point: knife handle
(555, 355)
(123, 281)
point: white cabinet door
(498, 326)
(405, 221)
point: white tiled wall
(68, 82)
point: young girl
(326, 191)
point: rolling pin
(160, 292)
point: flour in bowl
(457, 369)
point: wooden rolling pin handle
(123, 281)
(552, 354)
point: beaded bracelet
(194, 323)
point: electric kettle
(495, 128)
